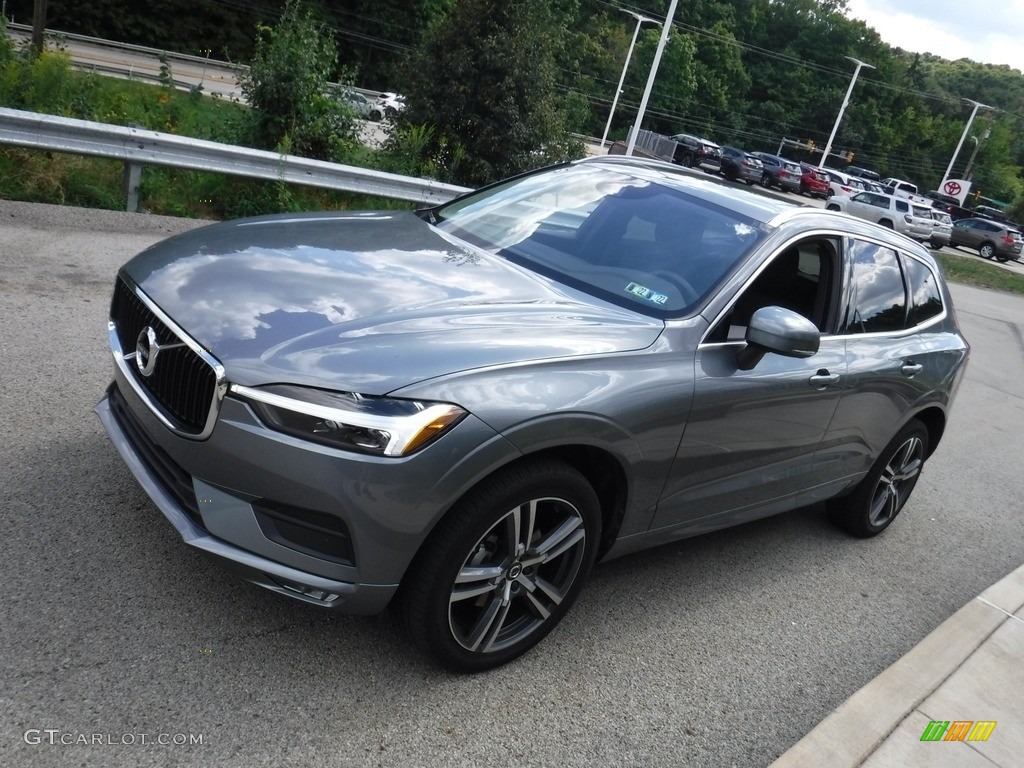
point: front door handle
(909, 369)
(823, 378)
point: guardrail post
(132, 177)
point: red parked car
(813, 181)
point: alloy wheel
(896, 481)
(516, 575)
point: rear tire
(831, 207)
(987, 250)
(766, 181)
(880, 496)
(503, 568)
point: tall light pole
(842, 109)
(977, 105)
(622, 78)
(977, 145)
(653, 74)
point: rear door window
(877, 298)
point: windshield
(633, 241)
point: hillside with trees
(747, 72)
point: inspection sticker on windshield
(646, 293)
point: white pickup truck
(905, 189)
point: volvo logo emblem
(147, 348)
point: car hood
(367, 302)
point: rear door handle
(823, 378)
(909, 369)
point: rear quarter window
(925, 296)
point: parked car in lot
(841, 184)
(892, 212)
(863, 173)
(740, 165)
(813, 181)
(459, 410)
(779, 172)
(991, 239)
(989, 212)
(695, 152)
(942, 228)
(950, 205)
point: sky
(989, 31)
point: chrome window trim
(122, 361)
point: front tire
(766, 181)
(880, 496)
(503, 567)
(987, 251)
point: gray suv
(991, 239)
(458, 411)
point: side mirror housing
(778, 330)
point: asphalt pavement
(122, 648)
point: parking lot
(125, 648)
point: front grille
(182, 383)
(175, 480)
(305, 530)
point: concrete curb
(863, 722)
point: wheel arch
(600, 468)
(934, 420)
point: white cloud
(989, 31)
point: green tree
(484, 81)
(288, 88)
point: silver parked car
(459, 411)
(942, 228)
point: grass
(971, 270)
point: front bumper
(214, 492)
(278, 577)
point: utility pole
(38, 26)
(977, 105)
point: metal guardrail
(138, 146)
(24, 32)
(657, 145)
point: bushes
(288, 88)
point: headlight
(383, 426)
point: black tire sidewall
(852, 512)
(426, 589)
